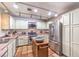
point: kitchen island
(40, 49)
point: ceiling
(42, 7)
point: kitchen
(39, 29)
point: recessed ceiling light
(15, 5)
(56, 15)
(49, 13)
(35, 10)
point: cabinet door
(5, 21)
(75, 50)
(66, 18)
(5, 54)
(38, 26)
(14, 47)
(10, 54)
(75, 41)
(21, 24)
(12, 23)
(25, 40)
(75, 34)
(76, 16)
(65, 41)
(20, 42)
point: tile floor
(26, 51)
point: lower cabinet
(10, 46)
(14, 48)
(5, 54)
(25, 41)
(39, 50)
(10, 49)
(75, 48)
(66, 41)
(22, 41)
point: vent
(29, 9)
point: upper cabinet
(38, 25)
(41, 25)
(66, 18)
(5, 21)
(12, 23)
(75, 16)
(50, 22)
(0, 21)
(21, 24)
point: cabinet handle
(43, 47)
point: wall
(70, 42)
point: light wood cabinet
(5, 20)
(40, 49)
(0, 20)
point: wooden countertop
(43, 43)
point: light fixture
(35, 10)
(49, 13)
(56, 15)
(15, 5)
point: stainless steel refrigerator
(55, 37)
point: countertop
(44, 42)
(4, 45)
